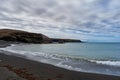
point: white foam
(69, 67)
(58, 60)
(55, 56)
(111, 63)
(11, 51)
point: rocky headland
(28, 37)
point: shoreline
(42, 71)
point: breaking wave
(67, 61)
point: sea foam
(111, 63)
(75, 63)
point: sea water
(101, 58)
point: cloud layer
(82, 19)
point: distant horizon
(86, 20)
(69, 38)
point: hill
(28, 37)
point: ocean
(101, 58)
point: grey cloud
(76, 16)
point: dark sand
(18, 68)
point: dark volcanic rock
(27, 37)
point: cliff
(27, 37)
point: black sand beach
(18, 68)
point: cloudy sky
(88, 20)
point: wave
(67, 61)
(58, 57)
(111, 63)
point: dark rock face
(27, 37)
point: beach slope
(19, 68)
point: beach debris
(22, 72)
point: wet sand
(18, 68)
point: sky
(87, 20)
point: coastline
(32, 70)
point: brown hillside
(27, 37)
(22, 36)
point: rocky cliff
(27, 37)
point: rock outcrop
(27, 37)
(64, 40)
